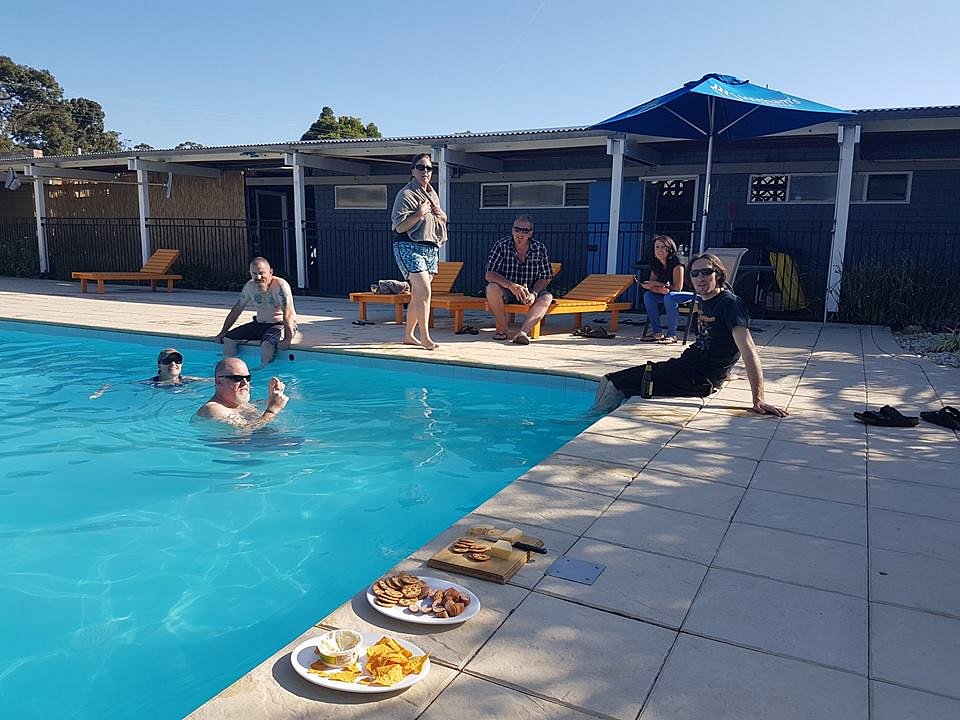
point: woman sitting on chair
(664, 286)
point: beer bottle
(646, 384)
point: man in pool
(231, 398)
(723, 338)
(275, 323)
(170, 369)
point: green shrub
(899, 293)
(944, 342)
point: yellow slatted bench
(441, 285)
(595, 293)
(154, 270)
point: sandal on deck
(656, 337)
(886, 417)
(588, 331)
(499, 336)
(466, 330)
(948, 417)
(669, 340)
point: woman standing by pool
(417, 212)
(664, 286)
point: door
(272, 234)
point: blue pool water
(148, 561)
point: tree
(35, 115)
(188, 145)
(329, 126)
(142, 146)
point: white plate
(401, 613)
(304, 655)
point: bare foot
(430, 345)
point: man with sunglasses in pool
(231, 397)
(275, 323)
(723, 338)
(518, 271)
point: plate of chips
(385, 665)
(424, 600)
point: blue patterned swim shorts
(414, 257)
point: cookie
(477, 556)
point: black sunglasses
(170, 359)
(424, 168)
(522, 229)
(237, 378)
(702, 271)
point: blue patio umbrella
(720, 106)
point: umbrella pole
(706, 194)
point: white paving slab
(704, 465)
(623, 452)
(750, 424)
(892, 702)
(915, 648)
(917, 581)
(824, 627)
(533, 649)
(634, 583)
(832, 520)
(545, 506)
(905, 467)
(811, 482)
(823, 456)
(669, 532)
(708, 680)
(916, 534)
(916, 498)
(471, 698)
(578, 473)
(801, 559)
(741, 446)
(701, 497)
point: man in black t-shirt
(700, 370)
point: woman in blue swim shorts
(418, 215)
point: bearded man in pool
(231, 398)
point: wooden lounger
(595, 293)
(441, 285)
(153, 271)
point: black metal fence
(784, 273)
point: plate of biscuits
(424, 600)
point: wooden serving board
(498, 570)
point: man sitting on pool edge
(231, 398)
(723, 337)
(275, 323)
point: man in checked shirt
(518, 271)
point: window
(360, 197)
(768, 188)
(881, 187)
(535, 194)
(812, 188)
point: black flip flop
(886, 416)
(596, 332)
(466, 330)
(948, 417)
(363, 322)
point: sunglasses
(522, 229)
(702, 271)
(237, 378)
(424, 168)
(170, 359)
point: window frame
(510, 185)
(862, 200)
(788, 201)
(336, 197)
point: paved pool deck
(807, 567)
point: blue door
(598, 217)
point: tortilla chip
(414, 664)
(344, 676)
(389, 675)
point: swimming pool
(150, 561)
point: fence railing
(784, 272)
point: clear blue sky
(222, 73)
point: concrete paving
(797, 568)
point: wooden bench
(441, 285)
(154, 270)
